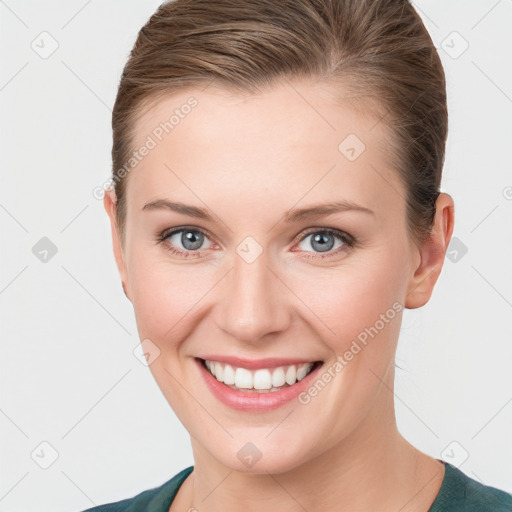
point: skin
(249, 159)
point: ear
(109, 202)
(431, 254)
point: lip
(255, 402)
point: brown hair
(377, 48)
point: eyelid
(171, 231)
(332, 231)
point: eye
(323, 241)
(185, 241)
(189, 242)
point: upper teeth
(264, 378)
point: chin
(259, 458)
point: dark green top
(458, 493)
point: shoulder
(460, 493)
(156, 499)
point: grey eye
(188, 239)
(322, 241)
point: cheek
(356, 299)
(163, 295)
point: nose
(254, 301)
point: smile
(263, 380)
(257, 386)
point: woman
(276, 206)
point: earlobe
(124, 290)
(431, 254)
(109, 202)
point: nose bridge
(254, 301)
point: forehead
(296, 139)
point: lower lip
(254, 402)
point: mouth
(257, 386)
(262, 380)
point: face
(268, 232)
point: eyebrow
(291, 216)
(322, 210)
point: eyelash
(348, 240)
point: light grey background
(69, 377)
